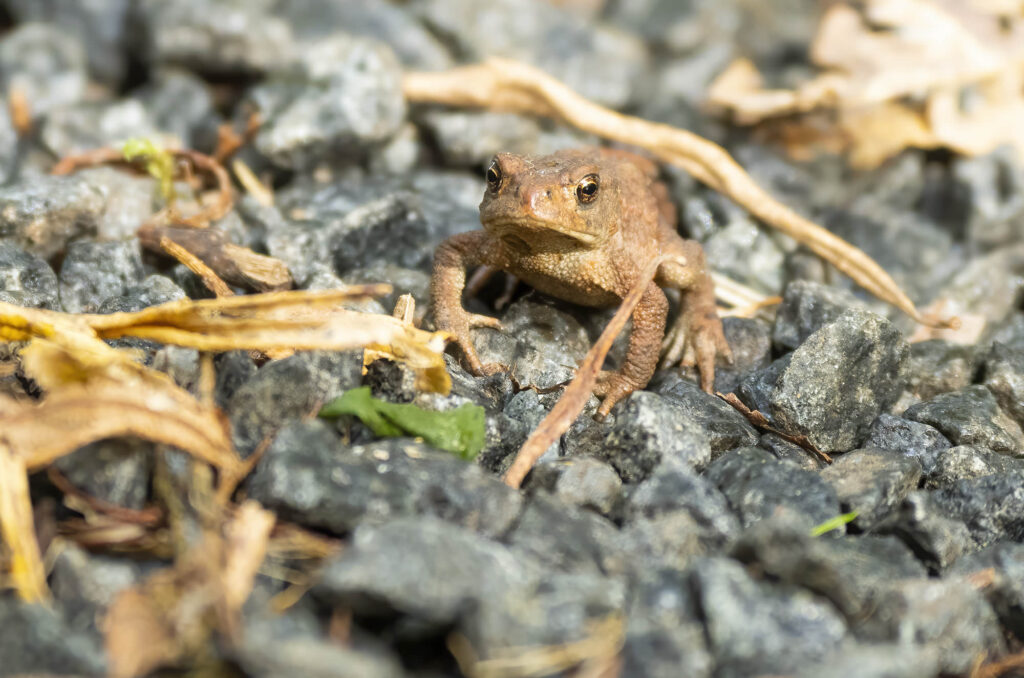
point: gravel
(676, 529)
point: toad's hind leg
(696, 336)
(642, 354)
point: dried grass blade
(17, 527)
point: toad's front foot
(458, 325)
(612, 387)
(697, 339)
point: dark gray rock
(833, 386)
(849, 571)
(759, 486)
(557, 611)
(992, 507)
(289, 389)
(339, 98)
(101, 27)
(746, 253)
(675, 489)
(415, 46)
(540, 343)
(181, 104)
(180, 364)
(807, 307)
(25, 279)
(43, 214)
(309, 476)
(45, 643)
(912, 439)
(580, 481)
(472, 138)
(92, 272)
(939, 366)
(510, 429)
(724, 427)
(751, 344)
(872, 482)
(1005, 562)
(9, 147)
(564, 538)
(993, 189)
(552, 38)
(116, 470)
(670, 541)
(970, 461)
(1010, 333)
(154, 290)
(793, 627)
(875, 660)
(492, 393)
(790, 452)
(45, 63)
(989, 286)
(948, 616)
(222, 37)
(233, 368)
(652, 431)
(970, 416)
(384, 571)
(89, 125)
(937, 538)
(85, 585)
(128, 200)
(1004, 377)
(664, 635)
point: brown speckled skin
(537, 227)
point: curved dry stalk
(511, 86)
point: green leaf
(460, 431)
(833, 524)
(159, 163)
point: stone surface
(45, 64)
(992, 506)
(724, 427)
(872, 482)
(341, 96)
(1004, 377)
(937, 538)
(952, 617)
(875, 660)
(288, 389)
(912, 439)
(93, 272)
(673, 490)
(1004, 562)
(309, 476)
(45, 643)
(807, 307)
(793, 627)
(651, 431)
(25, 279)
(759, 486)
(85, 585)
(580, 481)
(833, 386)
(89, 125)
(938, 366)
(42, 215)
(970, 416)
(116, 470)
(970, 461)
(751, 345)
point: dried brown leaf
(17, 526)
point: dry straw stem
(211, 280)
(511, 86)
(215, 211)
(16, 524)
(575, 396)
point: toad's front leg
(642, 354)
(451, 259)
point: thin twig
(193, 263)
(569, 406)
(760, 421)
(511, 86)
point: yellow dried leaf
(16, 526)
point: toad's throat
(527, 235)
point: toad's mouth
(524, 232)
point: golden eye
(586, 190)
(494, 176)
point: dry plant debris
(511, 86)
(759, 420)
(896, 74)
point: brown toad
(580, 225)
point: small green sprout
(159, 163)
(833, 524)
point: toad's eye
(494, 176)
(586, 190)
